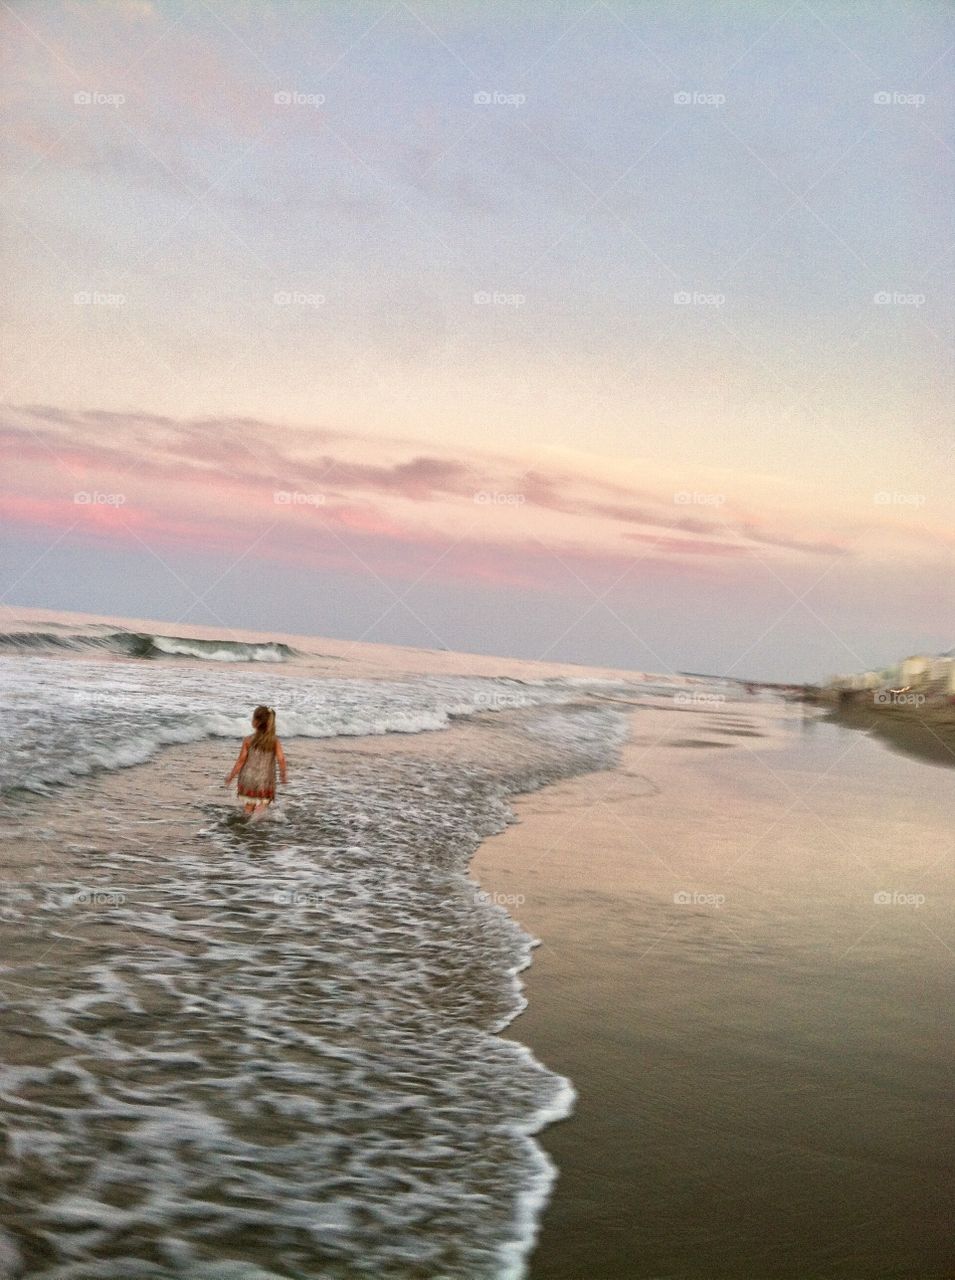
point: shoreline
(706, 1105)
(927, 733)
(525, 1095)
(530, 1026)
(704, 1040)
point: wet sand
(760, 1045)
(927, 733)
(760, 1050)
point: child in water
(255, 765)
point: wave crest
(145, 644)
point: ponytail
(263, 719)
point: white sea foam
(302, 1016)
(67, 718)
(233, 653)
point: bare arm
(240, 761)
(280, 760)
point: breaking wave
(269, 1051)
(68, 719)
(145, 644)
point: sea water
(266, 1050)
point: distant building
(914, 669)
(933, 677)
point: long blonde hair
(263, 721)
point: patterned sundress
(257, 777)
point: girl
(261, 752)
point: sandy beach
(755, 1042)
(730, 1055)
(924, 732)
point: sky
(609, 333)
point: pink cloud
(213, 483)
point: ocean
(241, 1051)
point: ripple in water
(271, 1052)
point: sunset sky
(609, 333)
